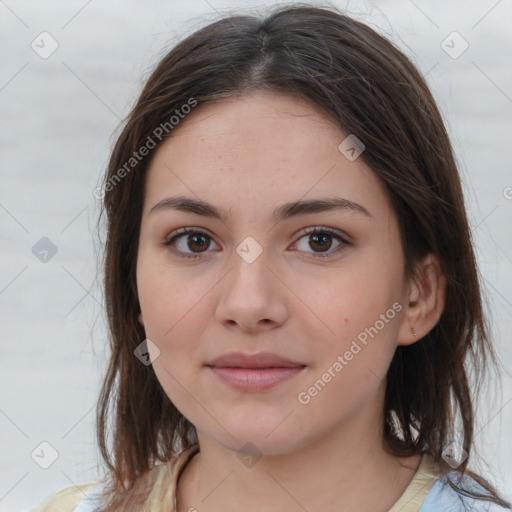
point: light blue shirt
(442, 498)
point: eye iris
(203, 241)
(323, 237)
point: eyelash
(189, 231)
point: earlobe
(141, 319)
(426, 301)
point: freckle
(345, 320)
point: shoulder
(157, 486)
(67, 499)
(444, 497)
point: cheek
(165, 294)
(361, 316)
(174, 320)
(355, 300)
(351, 365)
(176, 306)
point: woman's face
(258, 280)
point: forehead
(260, 149)
(248, 113)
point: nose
(252, 296)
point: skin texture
(250, 155)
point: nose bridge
(251, 293)
(250, 272)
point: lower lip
(255, 379)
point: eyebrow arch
(283, 212)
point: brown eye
(320, 240)
(197, 241)
(189, 243)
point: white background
(58, 116)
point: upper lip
(258, 360)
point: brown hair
(368, 88)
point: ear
(141, 319)
(426, 301)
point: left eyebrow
(283, 212)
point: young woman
(292, 293)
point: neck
(347, 469)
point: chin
(247, 439)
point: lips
(254, 372)
(259, 360)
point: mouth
(254, 372)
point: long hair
(369, 88)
